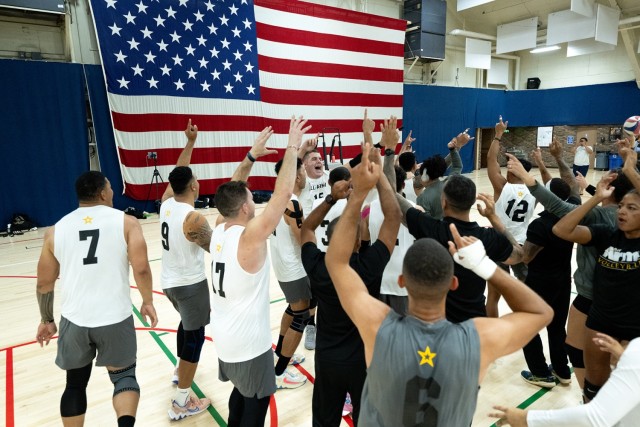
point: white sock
(182, 395)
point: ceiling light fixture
(543, 49)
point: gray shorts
(115, 344)
(192, 302)
(399, 304)
(253, 377)
(296, 290)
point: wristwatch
(329, 199)
(389, 152)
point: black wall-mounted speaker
(533, 83)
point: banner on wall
(235, 67)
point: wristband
(46, 322)
(486, 268)
(250, 157)
(497, 139)
(389, 152)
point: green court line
(156, 259)
(216, 416)
(537, 395)
(163, 333)
(276, 300)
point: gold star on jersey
(218, 248)
(87, 220)
(427, 356)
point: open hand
(259, 148)
(365, 176)
(389, 131)
(297, 128)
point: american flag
(235, 67)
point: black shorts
(594, 322)
(582, 304)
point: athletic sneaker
(175, 378)
(310, 337)
(194, 406)
(348, 407)
(296, 359)
(546, 382)
(562, 380)
(290, 379)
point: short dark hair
(230, 197)
(401, 177)
(89, 185)
(460, 193)
(179, 178)
(622, 186)
(308, 153)
(525, 163)
(339, 174)
(279, 165)
(407, 161)
(427, 269)
(436, 167)
(585, 138)
(560, 188)
(331, 227)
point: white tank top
(182, 260)
(285, 253)
(314, 189)
(322, 240)
(515, 208)
(582, 157)
(403, 243)
(409, 191)
(89, 244)
(239, 300)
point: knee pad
(300, 320)
(576, 356)
(590, 390)
(74, 398)
(124, 380)
(194, 340)
(289, 311)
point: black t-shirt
(468, 300)
(337, 338)
(616, 284)
(553, 263)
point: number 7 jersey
(515, 208)
(90, 246)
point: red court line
(154, 291)
(9, 389)
(273, 411)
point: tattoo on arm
(199, 231)
(45, 302)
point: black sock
(279, 346)
(126, 421)
(282, 364)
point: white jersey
(182, 260)
(515, 208)
(285, 252)
(582, 157)
(322, 240)
(90, 246)
(239, 301)
(409, 191)
(315, 189)
(403, 243)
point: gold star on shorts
(427, 356)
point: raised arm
(493, 167)
(191, 132)
(568, 227)
(48, 270)
(258, 150)
(629, 167)
(137, 253)
(260, 227)
(536, 155)
(368, 126)
(489, 212)
(566, 173)
(502, 336)
(339, 190)
(366, 312)
(390, 209)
